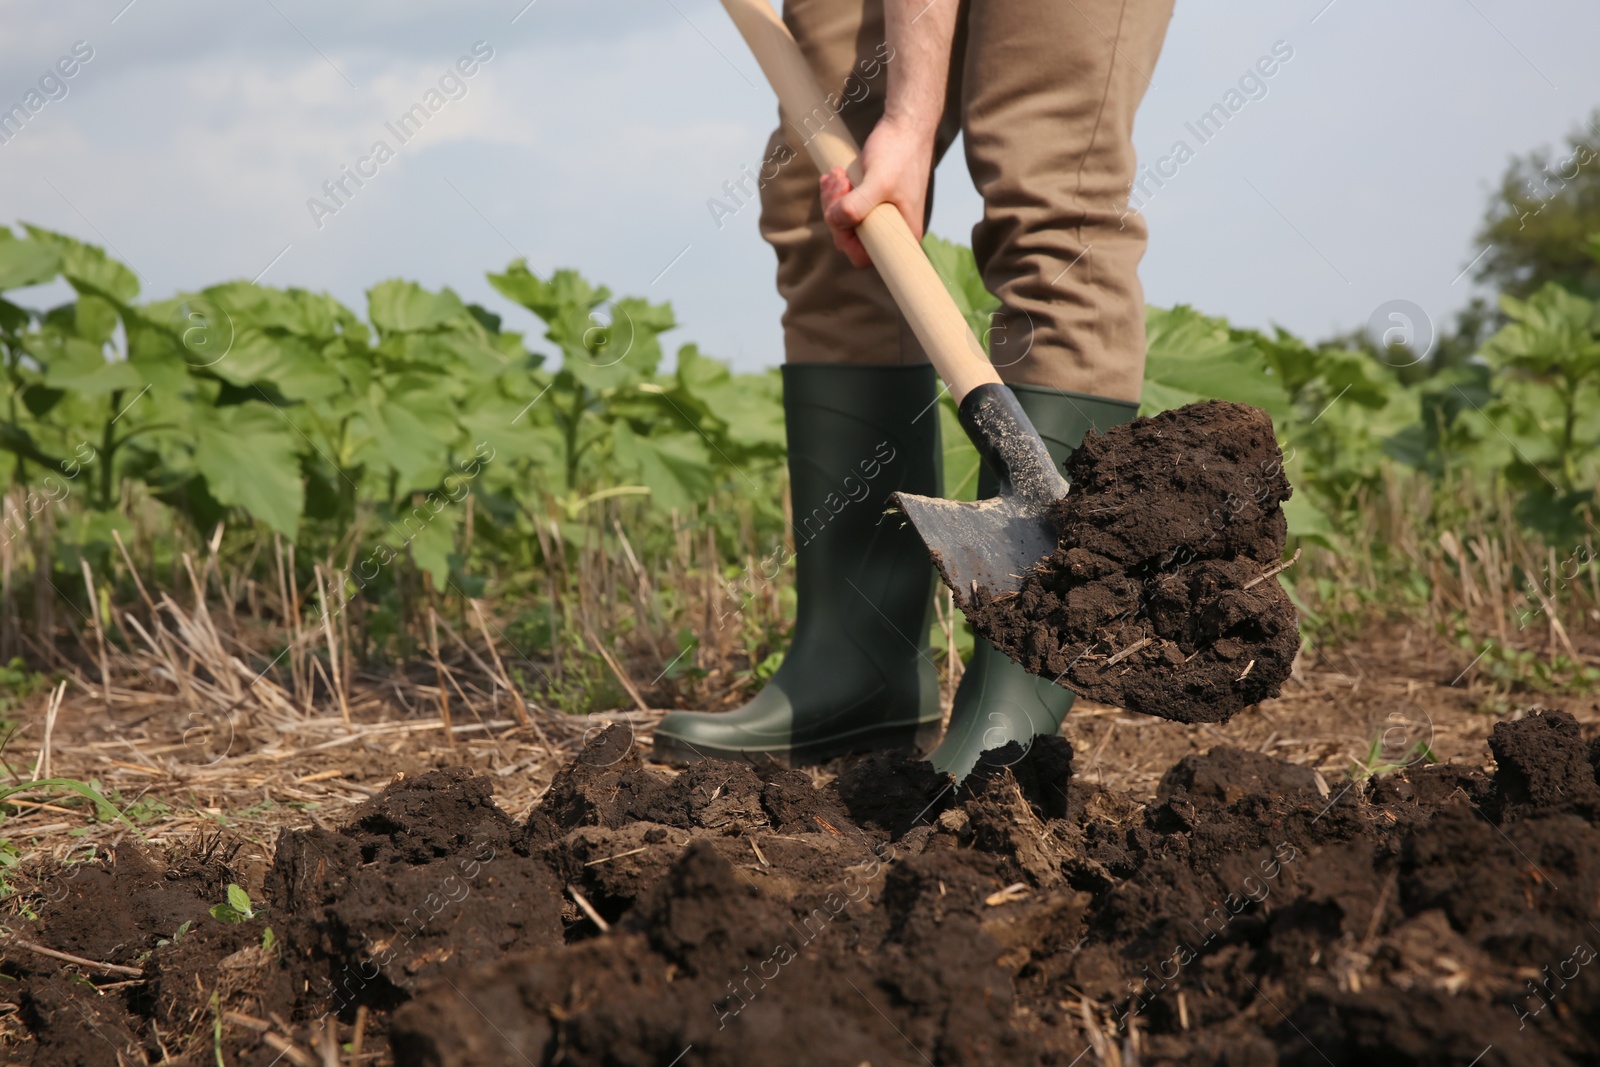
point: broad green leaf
(1191, 357)
(674, 468)
(397, 306)
(24, 263)
(1553, 331)
(239, 899)
(85, 265)
(959, 272)
(1307, 521)
(411, 433)
(285, 362)
(80, 367)
(605, 348)
(566, 289)
(293, 311)
(749, 407)
(107, 378)
(961, 461)
(247, 454)
(95, 318)
(602, 348)
(429, 528)
(468, 354)
(12, 318)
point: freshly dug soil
(1154, 598)
(737, 915)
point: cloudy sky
(596, 131)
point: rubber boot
(997, 701)
(857, 676)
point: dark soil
(1169, 525)
(735, 915)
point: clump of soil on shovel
(1248, 916)
(1159, 596)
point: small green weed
(89, 791)
(176, 937)
(237, 908)
(17, 683)
(1375, 766)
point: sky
(592, 134)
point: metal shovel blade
(990, 544)
(987, 545)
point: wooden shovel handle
(923, 299)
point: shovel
(990, 544)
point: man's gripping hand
(896, 161)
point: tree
(1538, 223)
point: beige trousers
(1045, 93)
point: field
(1005, 924)
(334, 645)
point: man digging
(1045, 95)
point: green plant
(1548, 356)
(1509, 669)
(216, 1028)
(17, 683)
(419, 451)
(1547, 203)
(1376, 766)
(177, 935)
(236, 909)
(9, 858)
(103, 807)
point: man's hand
(896, 161)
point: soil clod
(1161, 596)
(1243, 916)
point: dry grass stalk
(438, 670)
(41, 765)
(360, 1034)
(1277, 568)
(288, 1050)
(499, 667)
(616, 669)
(334, 661)
(80, 961)
(99, 632)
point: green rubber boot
(857, 675)
(997, 701)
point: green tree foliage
(1539, 221)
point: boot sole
(915, 737)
